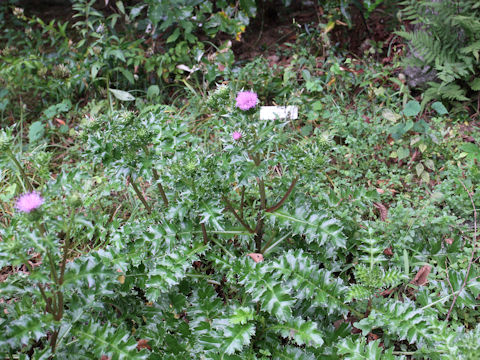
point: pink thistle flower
(29, 202)
(236, 135)
(246, 100)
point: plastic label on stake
(280, 112)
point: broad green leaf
(403, 153)
(412, 108)
(122, 95)
(36, 131)
(390, 115)
(153, 91)
(174, 36)
(430, 164)
(419, 169)
(471, 150)
(439, 108)
(128, 75)
(475, 84)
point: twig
(470, 262)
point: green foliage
(370, 277)
(358, 350)
(446, 39)
(163, 237)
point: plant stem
(156, 177)
(160, 187)
(204, 233)
(259, 232)
(263, 196)
(242, 201)
(108, 93)
(232, 210)
(40, 286)
(285, 197)
(140, 195)
(263, 207)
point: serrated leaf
(317, 285)
(236, 337)
(276, 301)
(242, 315)
(314, 224)
(168, 270)
(301, 332)
(107, 339)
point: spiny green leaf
(236, 337)
(301, 332)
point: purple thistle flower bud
(246, 100)
(29, 202)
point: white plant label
(280, 112)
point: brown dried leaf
(338, 323)
(143, 344)
(388, 251)
(382, 210)
(256, 257)
(422, 275)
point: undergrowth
(199, 230)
